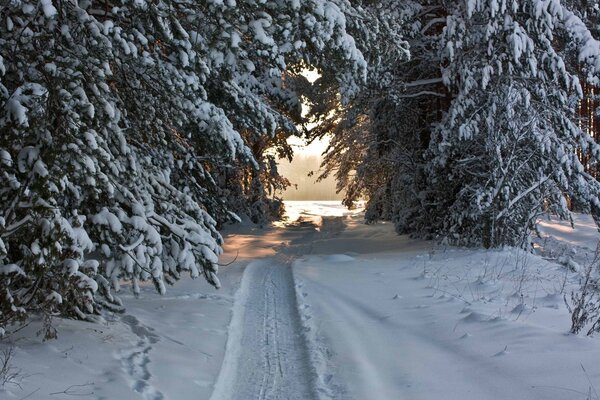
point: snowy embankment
(163, 347)
(329, 308)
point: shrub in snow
(116, 119)
(9, 374)
(584, 304)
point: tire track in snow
(270, 361)
(267, 357)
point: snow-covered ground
(324, 307)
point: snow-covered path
(267, 357)
(401, 349)
(274, 361)
(327, 308)
(341, 312)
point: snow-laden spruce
(353, 156)
(376, 152)
(376, 31)
(477, 134)
(506, 150)
(114, 117)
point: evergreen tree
(506, 150)
(115, 118)
(377, 149)
(475, 136)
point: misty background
(306, 187)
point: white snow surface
(325, 307)
(584, 232)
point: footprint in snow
(135, 361)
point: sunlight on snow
(313, 212)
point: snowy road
(341, 312)
(269, 359)
(274, 361)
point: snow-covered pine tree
(506, 151)
(114, 116)
(588, 11)
(107, 135)
(587, 108)
(377, 147)
(253, 191)
(402, 119)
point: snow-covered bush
(584, 303)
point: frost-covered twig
(8, 373)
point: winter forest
(146, 143)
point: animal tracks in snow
(135, 361)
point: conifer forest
(396, 199)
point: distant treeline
(305, 187)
